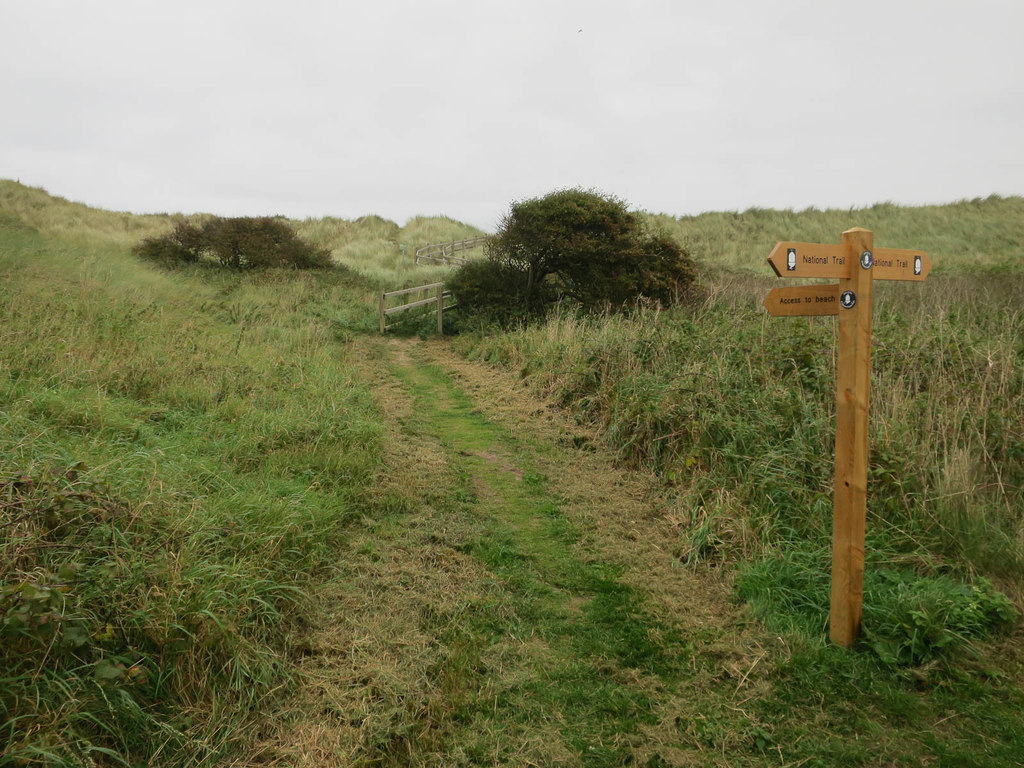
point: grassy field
(971, 235)
(181, 453)
(200, 471)
(370, 245)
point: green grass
(590, 623)
(180, 456)
(735, 412)
(183, 453)
(183, 456)
(975, 235)
(720, 397)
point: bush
(579, 246)
(182, 246)
(238, 243)
(493, 290)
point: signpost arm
(853, 380)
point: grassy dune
(372, 246)
(184, 454)
(179, 455)
(970, 235)
(369, 245)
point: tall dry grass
(720, 396)
(978, 234)
(181, 455)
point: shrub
(494, 290)
(182, 246)
(238, 243)
(577, 245)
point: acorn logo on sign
(791, 259)
(848, 299)
(917, 265)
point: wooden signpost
(856, 264)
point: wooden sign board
(810, 260)
(803, 300)
(900, 264)
(828, 260)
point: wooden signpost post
(856, 264)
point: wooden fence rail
(444, 253)
(439, 296)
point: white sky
(459, 107)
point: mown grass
(589, 629)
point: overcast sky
(459, 107)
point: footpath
(518, 600)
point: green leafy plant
(575, 245)
(909, 619)
(239, 243)
(183, 245)
(493, 290)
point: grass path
(510, 606)
(515, 599)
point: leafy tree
(577, 245)
(238, 243)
